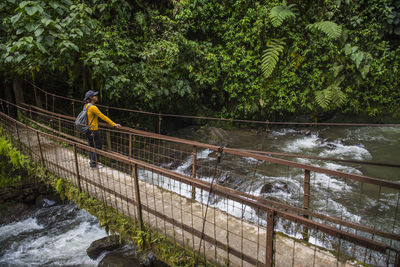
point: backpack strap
(88, 106)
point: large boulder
(274, 187)
(11, 211)
(108, 243)
(27, 190)
(128, 256)
(119, 259)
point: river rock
(119, 259)
(274, 187)
(230, 180)
(204, 167)
(27, 190)
(108, 243)
(46, 201)
(11, 211)
(129, 255)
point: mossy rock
(11, 211)
(108, 243)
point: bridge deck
(239, 235)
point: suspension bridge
(200, 205)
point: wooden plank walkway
(231, 233)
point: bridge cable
(97, 158)
(291, 123)
(265, 135)
(220, 150)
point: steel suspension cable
(228, 119)
(66, 117)
(220, 150)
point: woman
(93, 134)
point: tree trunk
(7, 93)
(18, 93)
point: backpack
(81, 121)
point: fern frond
(331, 29)
(279, 13)
(323, 98)
(271, 56)
(330, 97)
(338, 98)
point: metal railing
(166, 178)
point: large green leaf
(24, 4)
(282, 12)
(31, 10)
(30, 27)
(39, 32)
(14, 19)
(54, 4)
(49, 40)
(271, 56)
(330, 28)
(46, 22)
(41, 48)
(359, 58)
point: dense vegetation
(248, 59)
(13, 165)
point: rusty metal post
(159, 141)
(19, 139)
(77, 169)
(269, 253)
(130, 151)
(8, 109)
(108, 135)
(130, 146)
(36, 99)
(73, 108)
(137, 194)
(306, 204)
(29, 140)
(267, 130)
(398, 260)
(108, 138)
(46, 101)
(159, 124)
(194, 171)
(59, 124)
(53, 103)
(40, 149)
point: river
(370, 205)
(54, 235)
(59, 234)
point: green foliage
(331, 97)
(13, 164)
(204, 57)
(361, 59)
(271, 56)
(331, 29)
(282, 12)
(60, 188)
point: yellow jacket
(93, 111)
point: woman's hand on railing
(117, 125)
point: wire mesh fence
(231, 206)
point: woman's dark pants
(94, 140)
